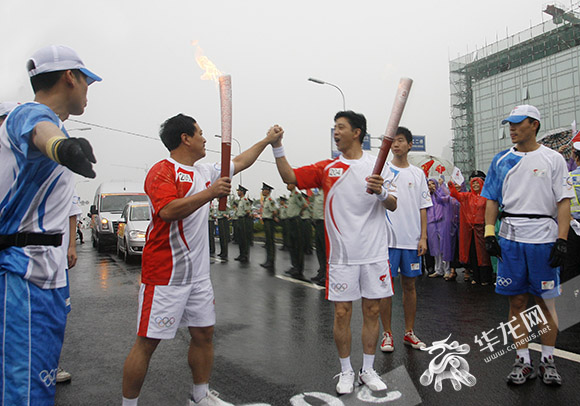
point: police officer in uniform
(306, 216)
(269, 214)
(296, 204)
(211, 227)
(234, 217)
(224, 230)
(243, 212)
(319, 237)
(283, 217)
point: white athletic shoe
(62, 376)
(212, 399)
(371, 379)
(387, 344)
(345, 382)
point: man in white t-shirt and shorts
(407, 237)
(530, 183)
(176, 288)
(355, 226)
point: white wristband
(383, 196)
(278, 151)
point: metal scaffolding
(536, 43)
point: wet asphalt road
(274, 344)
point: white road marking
(303, 283)
(558, 353)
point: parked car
(110, 199)
(132, 229)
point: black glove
(492, 246)
(558, 253)
(77, 155)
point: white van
(110, 200)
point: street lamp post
(322, 82)
(239, 152)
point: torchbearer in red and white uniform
(176, 289)
(356, 235)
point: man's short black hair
(46, 81)
(355, 120)
(406, 132)
(531, 120)
(172, 128)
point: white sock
(525, 354)
(368, 361)
(345, 365)
(130, 402)
(199, 391)
(547, 352)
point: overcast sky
(142, 50)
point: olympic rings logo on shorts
(48, 377)
(339, 287)
(165, 321)
(501, 281)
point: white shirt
(528, 183)
(404, 224)
(355, 223)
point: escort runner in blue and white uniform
(529, 182)
(37, 161)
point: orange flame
(211, 72)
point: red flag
(426, 166)
(440, 169)
(576, 138)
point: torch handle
(226, 153)
(392, 125)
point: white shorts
(164, 308)
(347, 283)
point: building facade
(539, 66)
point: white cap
(7, 107)
(55, 58)
(520, 113)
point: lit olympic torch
(392, 125)
(225, 86)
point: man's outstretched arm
(249, 156)
(284, 169)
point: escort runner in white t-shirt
(407, 237)
(511, 177)
(404, 224)
(530, 183)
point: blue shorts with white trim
(525, 269)
(407, 261)
(32, 323)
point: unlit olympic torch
(225, 82)
(396, 113)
